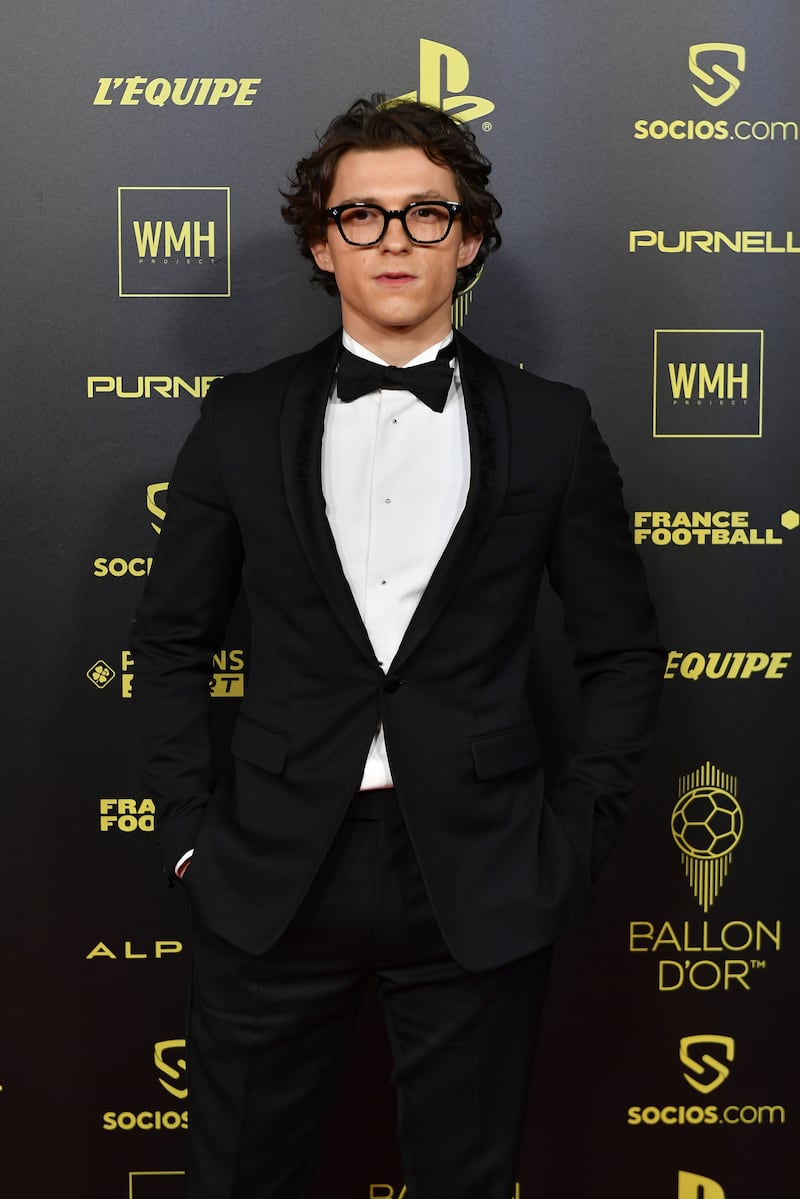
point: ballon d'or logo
(707, 826)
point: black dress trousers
(267, 1034)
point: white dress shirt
(395, 476)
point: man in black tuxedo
(389, 501)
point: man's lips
(394, 278)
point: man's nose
(395, 237)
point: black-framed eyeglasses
(425, 221)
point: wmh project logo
(707, 382)
(174, 241)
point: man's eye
(359, 216)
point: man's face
(396, 293)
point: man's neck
(398, 347)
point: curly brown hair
(381, 124)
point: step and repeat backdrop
(648, 161)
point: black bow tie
(429, 382)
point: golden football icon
(707, 822)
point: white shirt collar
(428, 355)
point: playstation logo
(443, 79)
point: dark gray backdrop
(596, 131)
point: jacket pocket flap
(505, 751)
(260, 745)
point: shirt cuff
(182, 860)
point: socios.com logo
(118, 566)
(717, 69)
(705, 1058)
(710, 53)
(170, 1061)
(154, 491)
(443, 79)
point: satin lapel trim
(302, 424)
(487, 425)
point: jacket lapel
(302, 423)
(487, 425)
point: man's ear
(322, 255)
(470, 244)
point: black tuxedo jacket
(506, 866)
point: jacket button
(391, 682)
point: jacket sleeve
(179, 626)
(610, 623)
